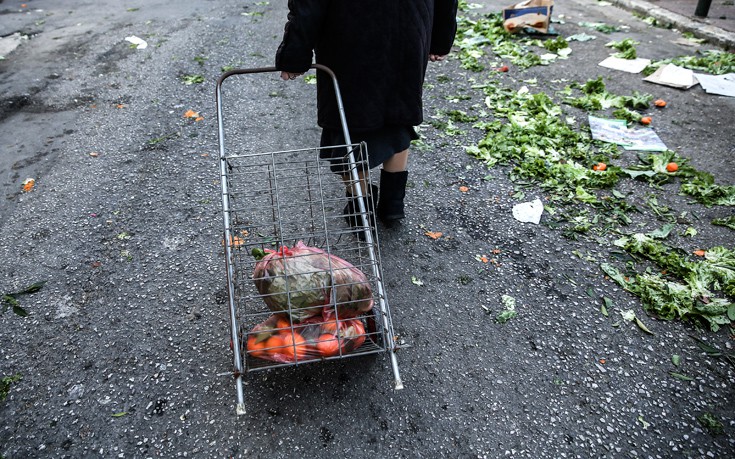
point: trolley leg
(396, 372)
(240, 409)
(391, 341)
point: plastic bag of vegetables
(302, 280)
(279, 340)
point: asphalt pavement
(125, 349)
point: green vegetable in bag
(302, 280)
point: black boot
(392, 190)
(352, 209)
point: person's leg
(351, 187)
(393, 178)
(352, 209)
(397, 162)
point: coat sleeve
(444, 27)
(305, 18)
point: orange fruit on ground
(599, 167)
(646, 120)
(659, 103)
(672, 167)
(295, 346)
(328, 345)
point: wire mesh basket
(304, 283)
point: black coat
(378, 49)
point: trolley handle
(323, 68)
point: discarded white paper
(529, 212)
(722, 85)
(672, 75)
(137, 41)
(626, 65)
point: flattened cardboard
(530, 14)
(672, 75)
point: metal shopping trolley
(277, 204)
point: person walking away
(379, 50)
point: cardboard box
(531, 14)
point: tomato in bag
(278, 340)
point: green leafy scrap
(192, 79)
(10, 300)
(626, 48)
(447, 127)
(727, 222)
(638, 101)
(710, 422)
(681, 376)
(600, 27)
(475, 35)
(509, 310)
(596, 86)
(459, 116)
(713, 351)
(683, 288)
(715, 62)
(652, 167)
(5, 383)
(556, 44)
(720, 265)
(628, 115)
(702, 188)
(650, 20)
(596, 97)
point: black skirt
(381, 145)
